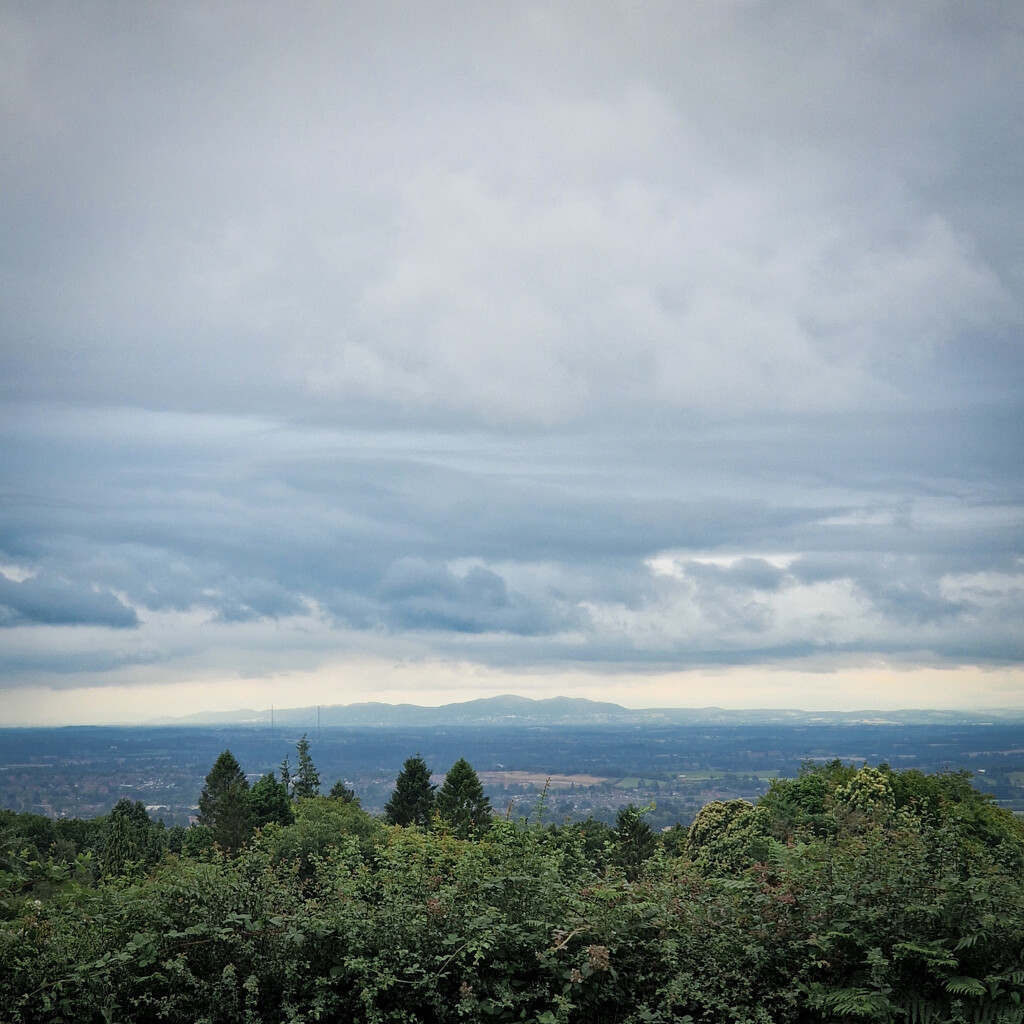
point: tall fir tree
(412, 802)
(461, 801)
(223, 805)
(306, 779)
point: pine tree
(223, 805)
(412, 802)
(461, 801)
(307, 778)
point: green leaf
(962, 986)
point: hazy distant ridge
(509, 709)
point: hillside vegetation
(842, 895)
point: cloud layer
(631, 338)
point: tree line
(230, 811)
(844, 894)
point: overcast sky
(666, 353)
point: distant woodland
(843, 894)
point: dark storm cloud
(653, 336)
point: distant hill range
(509, 710)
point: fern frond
(856, 1002)
(933, 953)
(963, 986)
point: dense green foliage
(268, 802)
(843, 895)
(634, 839)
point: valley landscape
(597, 756)
(424, 427)
(593, 871)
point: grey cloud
(414, 577)
(905, 589)
(434, 329)
(56, 602)
(752, 573)
(368, 216)
(420, 595)
(905, 603)
(252, 600)
(450, 537)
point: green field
(710, 775)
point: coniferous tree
(149, 838)
(339, 791)
(225, 773)
(412, 802)
(461, 801)
(223, 806)
(268, 802)
(234, 825)
(121, 847)
(634, 838)
(136, 813)
(307, 778)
